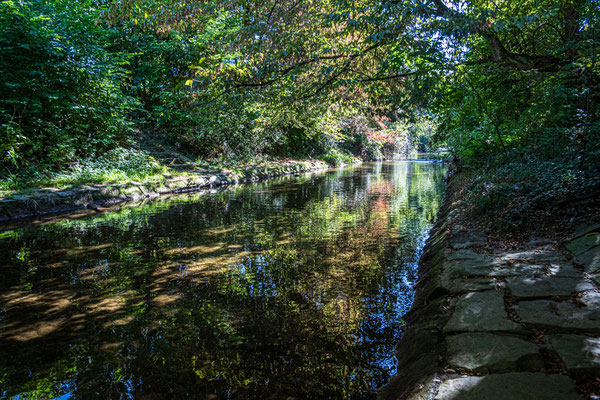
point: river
(290, 288)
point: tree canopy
(297, 77)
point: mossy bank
(42, 201)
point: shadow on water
(290, 289)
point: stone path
(503, 324)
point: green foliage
(537, 96)
(234, 81)
(114, 166)
(509, 192)
(337, 157)
(60, 94)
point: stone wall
(487, 323)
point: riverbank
(37, 202)
(499, 318)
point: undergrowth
(117, 165)
(509, 195)
(122, 165)
(336, 157)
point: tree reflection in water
(291, 289)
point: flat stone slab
(479, 268)
(579, 354)
(583, 229)
(547, 286)
(564, 315)
(455, 285)
(488, 352)
(467, 255)
(590, 260)
(563, 270)
(583, 243)
(534, 256)
(596, 278)
(481, 312)
(504, 269)
(511, 386)
(515, 268)
(462, 239)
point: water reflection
(292, 289)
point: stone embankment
(42, 201)
(493, 324)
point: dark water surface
(293, 288)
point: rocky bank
(488, 323)
(43, 201)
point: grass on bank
(123, 165)
(119, 165)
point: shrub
(337, 157)
(60, 97)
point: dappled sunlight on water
(294, 288)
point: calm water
(289, 289)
